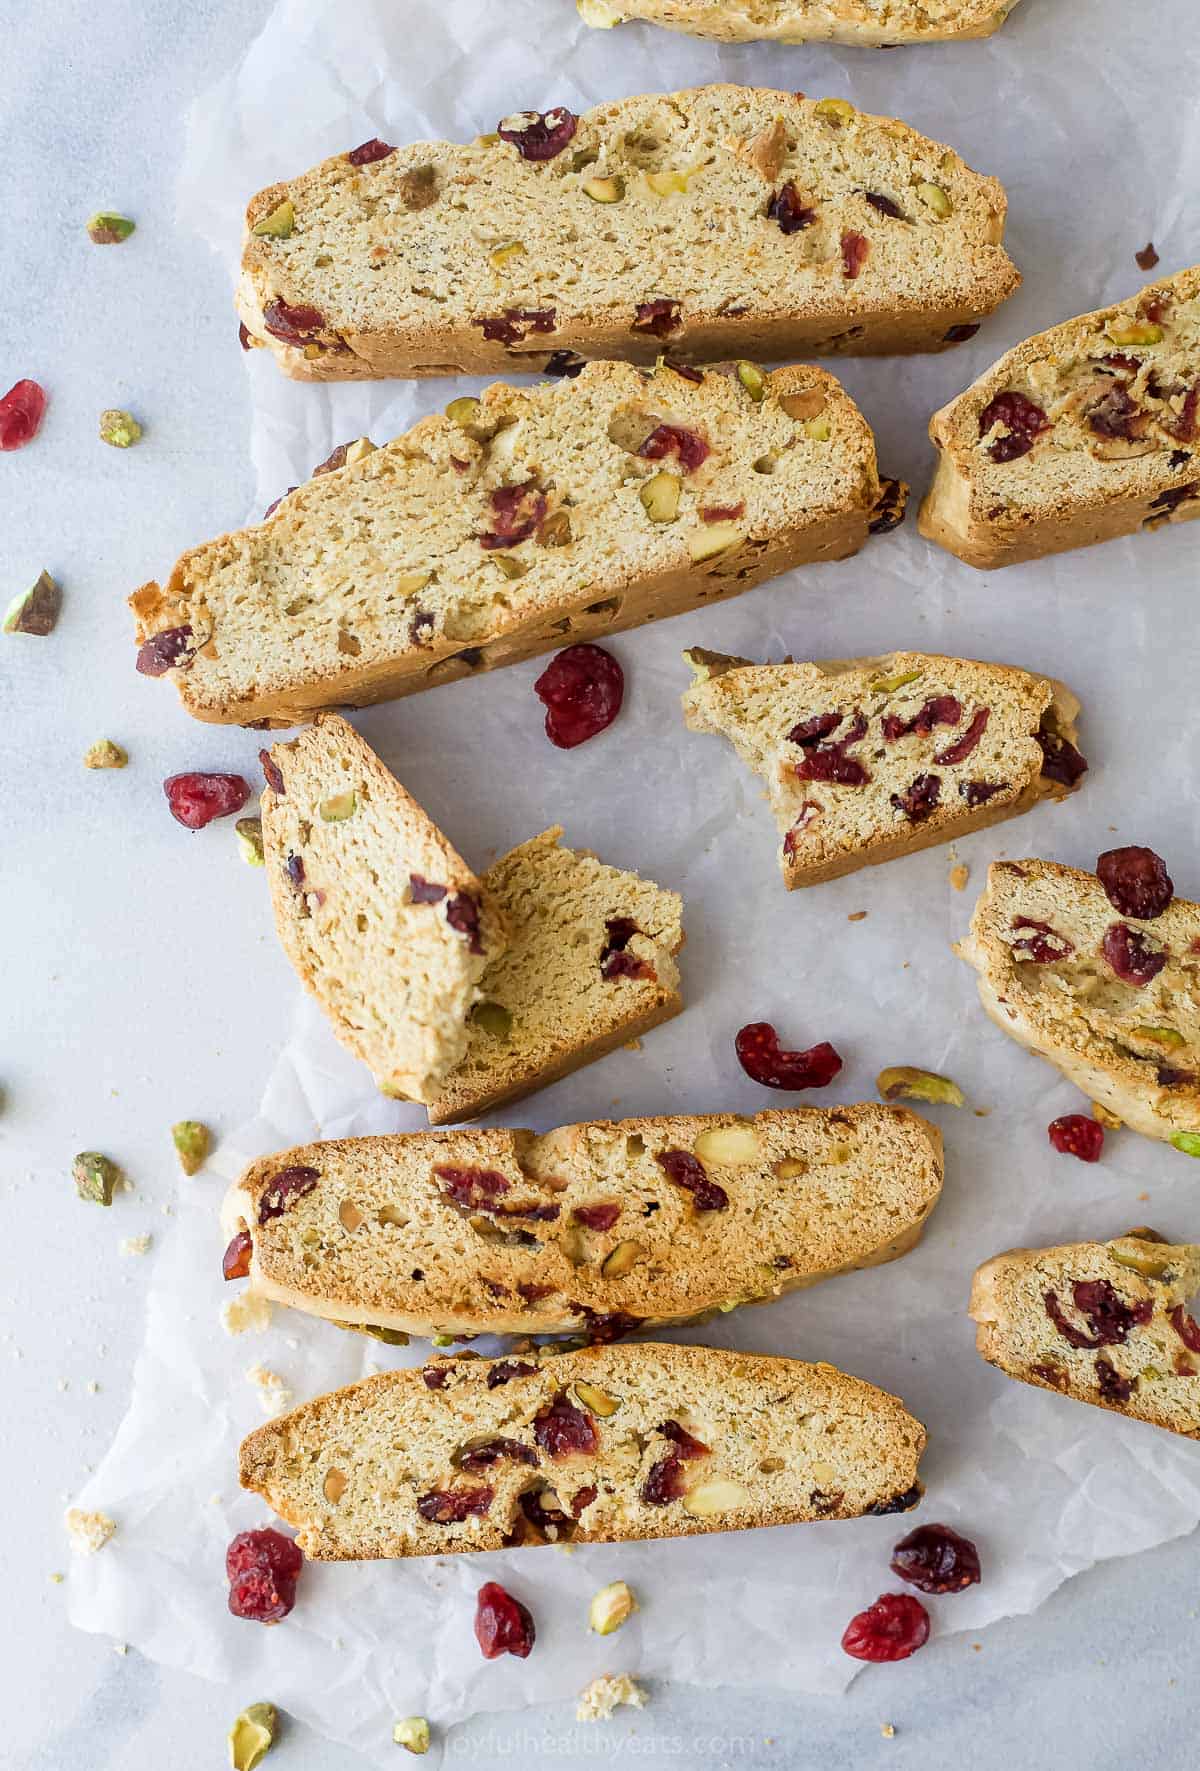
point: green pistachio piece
(612, 1606)
(753, 380)
(1140, 1260)
(250, 841)
(279, 224)
(443, 1340)
(887, 685)
(338, 808)
(107, 228)
(96, 1177)
(391, 1337)
(660, 497)
(192, 1142)
(120, 430)
(1188, 1142)
(935, 198)
(104, 754)
(1164, 1036)
(252, 1736)
(704, 665)
(605, 190)
(918, 1085)
(35, 610)
(464, 412)
(412, 1732)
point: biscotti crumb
(246, 1313)
(960, 873)
(136, 1244)
(274, 1392)
(88, 1532)
(888, 1730)
(599, 1699)
(857, 916)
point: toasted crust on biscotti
(772, 1442)
(1035, 942)
(919, 712)
(447, 259)
(1117, 394)
(1103, 1322)
(853, 22)
(534, 517)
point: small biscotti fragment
(720, 222)
(856, 22)
(590, 964)
(516, 521)
(1108, 999)
(867, 759)
(643, 1221)
(384, 922)
(1082, 433)
(1104, 1322)
(479, 1454)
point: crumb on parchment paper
(598, 1700)
(245, 1313)
(274, 1392)
(88, 1532)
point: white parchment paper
(1094, 130)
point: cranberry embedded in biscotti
(539, 135)
(1136, 882)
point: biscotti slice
(521, 520)
(863, 23)
(385, 924)
(868, 759)
(724, 221)
(589, 966)
(603, 1445)
(590, 1227)
(1104, 1322)
(1109, 999)
(1083, 433)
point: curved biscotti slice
(869, 759)
(1083, 433)
(1044, 939)
(384, 922)
(589, 966)
(725, 221)
(529, 518)
(1104, 1322)
(643, 1221)
(863, 23)
(603, 1445)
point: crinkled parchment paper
(1098, 156)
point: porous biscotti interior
(805, 21)
(781, 1442)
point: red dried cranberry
(758, 1052)
(605, 1326)
(564, 1430)
(897, 1503)
(1167, 1075)
(1107, 1315)
(1135, 882)
(1131, 955)
(1053, 1375)
(1114, 414)
(505, 1370)
(1171, 500)
(664, 1481)
(672, 439)
(244, 338)
(235, 1263)
(894, 1627)
(855, 248)
(616, 961)
(462, 913)
(196, 799)
(811, 731)
(564, 364)
(1109, 1382)
(369, 152)
(890, 506)
(292, 324)
(1077, 1135)
(660, 318)
(21, 413)
(435, 1377)
(172, 649)
(939, 710)
(809, 812)
(1147, 258)
(582, 688)
(977, 793)
(502, 1624)
(722, 513)
(583, 1500)
(262, 1568)
(425, 891)
(271, 772)
(517, 512)
(960, 334)
(539, 135)
(497, 1451)
(597, 1217)
(1045, 946)
(885, 205)
(515, 324)
(787, 208)
(1186, 1327)
(936, 1559)
(919, 798)
(687, 1171)
(273, 507)
(452, 1506)
(294, 868)
(829, 762)
(533, 1293)
(540, 1506)
(472, 1189)
(687, 370)
(1060, 759)
(283, 1189)
(686, 1444)
(1023, 421)
(1185, 426)
(961, 748)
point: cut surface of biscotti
(869, 23)
(723, 221)
(521, 521)
(590, 964)
(384, 922)
(1081, 434)
(603, 1445)
(1104, 1322)
(643, 1221)
(868, 759)
(1109, 999)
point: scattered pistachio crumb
(857, 916)
(119, 429)
(192, 1142)
(108, 227)
(959, 875)
(598, 1700)
(121, 1648)
(632, 1045)
(104, 754)
(245, 1312)
(93, 1388)
(412, 1732)
(274, 1392)
(35, 610)
(612, 1606)
(88, 1531)
(97, 1177)
(57, 1578)
(137, 1244)
(888, 1730)
(252, 1736)
(250, 841)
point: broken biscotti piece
(868, 759)
(603, 1445)
(1104, 1322)
(519, 521)
(1109, 999)
(563, 236)
(645, 1221)
(1083, 433)
(856, 22)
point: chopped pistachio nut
(35, 610)
(464, 412)
(252, 1736)
(338, 808)
(714, 538)
(250, 841)
(1135, 332)
(598, 1400)
(704, 664)
(612, 1606)
(753, 380)
(443, 1340)
(412, 1733)
(120, 430)
(278, 224)
(504, 255)
(1151, 1263)
(96, 1177)
(935, 198)
(918, 1085)
(391, 1337)
(108, 228)
(624, 1257)
(887, 685)
(1188, 1142)
(192, 1142)
(605, 190)
(818, 430)
(667, 184)
(835, 110)
(660, 497)
(104, 754)
(1167, 1037)
(809, 404)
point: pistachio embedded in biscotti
(278, 224)
(730, 1145)
(712, 1498)
(714, 539)
(660, 497)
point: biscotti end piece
(590, 964)
(384, 922)
(868, 759)
(1109, 1000)
(527, 519)
(604, 1445)
(642, 1221)
(1104, 1322)
(1081, 434)
(561, 237)
(853, 22)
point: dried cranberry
(294, 325)
(539, 135)
(1107, 1315)
(244, 338)
(435, 1377)
(1045, 946)
(1135, 882)
(1147, 258)
(540, 1506)
(1177, 495)
(885, 205)
(583, 1500)
(1109, 1382)
(597, 1217)
(1167, 1075)
(514, 325)
(855, 248)
(235, 1263)
(1077, 1135)
(809, 812)
(960, 334)
(1060, 759)
(1054, 1375)
(811, 731)
(664, 1481)
(961, 748)
(533, 1293)
(687, 370)
(1131, 955)
(271, 772)
(582, 688)
(425, 891)
(516, 513)
(294, 868)
(472, 1189)
(262, 1568)
(564, 1430)
(196, 799)
(369, 152)
(977, 793)
(1114, 414)
(787, 208)
(660, 317)
(283, 1189)
(1184, 427)
(829, 762)
(505, 1370)
(1186, 1327)
(21, 413)
(1023, 421)
(688, 1172)
(615, 959)
(452, 1506)
(273, 507)
(172, 649)
(936, 1559)
(890, 506)
(332, 462)
(462, 913)
(919, 798)
(672, 439)
(894, 1627)
(686, 1444)
(939, 710)
(602, 1327)
(758, 1052)
(566, 364)
(502, 1624)
(897, 1503)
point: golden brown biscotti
(604, 1445)
(1081, 434)
(527, 519)
(862, 23)
(642, 1221)
(868, 759)
(724, 221)
(1104, 1322)
(1108, 999)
